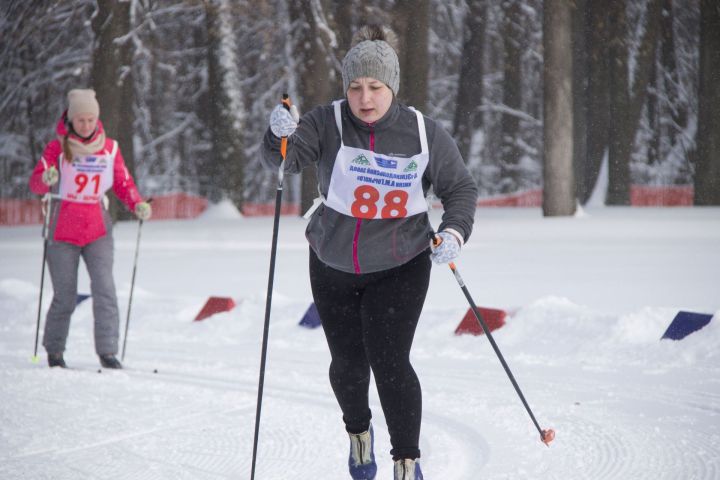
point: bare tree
(51, 46)
(665, 114)
(559, 179)
(598, 96)
(225, 103)
(468, 116)
(581, 98)
(707, 166)
(512, 95)
(619, 149)
(45, 51)
(111, 77)
(627, 99)
(313, 47)
(411, 24)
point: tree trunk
(512, 96)
(559, 181)
(343, 15)
(598, 96)
(225, 105)
(619, 151)
(666, 116)
(579, 95)
(468, 116)
(314, 54)
(411, 23)
(111, 77)
(707, 167)
(654, 112)
(626, 107)
(670, 69)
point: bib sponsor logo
(385, 162)
(412, 167)
(361, 160)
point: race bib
(86, 178)
(366, 184)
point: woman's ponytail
(67, 153)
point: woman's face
(84, 124)
(369, 99)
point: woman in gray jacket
(369, 252)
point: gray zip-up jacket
(369, 245)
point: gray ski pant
(63, 260)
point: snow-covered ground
(591, 296)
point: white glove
(143, 211)
(448, 249)
(50, 176)
(283, 122)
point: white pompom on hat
(82, 101)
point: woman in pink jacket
(76, 169)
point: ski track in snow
(624, 405)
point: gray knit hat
(372, 58)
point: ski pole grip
(283, 140)
(434, 238)
(286, 101)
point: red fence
(675, 196)
(177, 205)
(20, 212)
(530, 198)
(182, 205)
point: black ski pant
(369, 322)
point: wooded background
(536, 93)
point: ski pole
(546, 436)
(268, 300)
(46, 224)
(132, 286)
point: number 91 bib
(86, 178)
(365, 184)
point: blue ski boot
(362, 456)
(407, 469)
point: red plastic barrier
(493, 318)
(215, 305)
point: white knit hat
(372, 58)
(82, 101)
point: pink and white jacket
(83, 223)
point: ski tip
(547, 436)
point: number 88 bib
(365, 184)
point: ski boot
(56, 360)
(109, 361)
(407, 469)
(361, 461)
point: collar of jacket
(385, 121)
